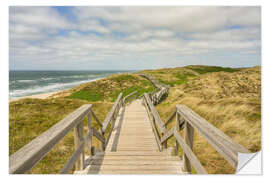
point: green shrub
(123, 78)
(207, 69)
(87, 95)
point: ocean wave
(26, 81)
(81, 76)
(44, 89)
(47, 79)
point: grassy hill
(230, 99)
(28, 118)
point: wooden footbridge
(133, 140)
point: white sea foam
(43, 89)
(26, 81)
(47, 79)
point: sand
(46, 95)
(38, 96)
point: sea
(26, 83)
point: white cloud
(183, 19)
(42, 17)
(99, 35)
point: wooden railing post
(177, 119)
(164, 144)
(188, 136)
(78, 139)
(89, 122)
(103, 145)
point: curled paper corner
(249, 163)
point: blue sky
(91, 38)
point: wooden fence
(161, 91)
(28, 156)
(189, 121)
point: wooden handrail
(111, 113)
(170, 118)
(152, 80)
(135, 94)
(160, 91)
(70, 163)
(167, 135)
(156, 116)
(190, 121)
(97, 120)
(157, 137)
(191, 156)
(26, 157)
(219, 140)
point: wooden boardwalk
(133, 139)
(132, 148)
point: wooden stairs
(133, 139)
(132, 148)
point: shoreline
(36, 96)
(46, 95)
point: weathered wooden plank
(176, 129)
(97, 120)
(75, 156)
(167, 135)
(145, 144)
(156, 116)
(89, 134)
(138, 153)
(170, 118)
(188, 136)
(123, 159)
(111, 113)
(220, 141)
(112, 127)
(135, 94)
(153, 127)
(191, 156)
(136, 168)
(26, 157)
(78, 139)
(98, 135)
(155, 83)
(172, 171)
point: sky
(133, 38)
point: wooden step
(136, 162)
(135, 148)
(137, 158)
(135, 168)
(171, 171)
(128, 153)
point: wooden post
(177, 119)
(89, 122)
(188, 136)
(164, 144)
(78, 139)
(103, 146)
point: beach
(42, 84)
(37, 96)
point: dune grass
(31, 117)
(173, 76)
(107, 90)
(208, 69)
(231, 101)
